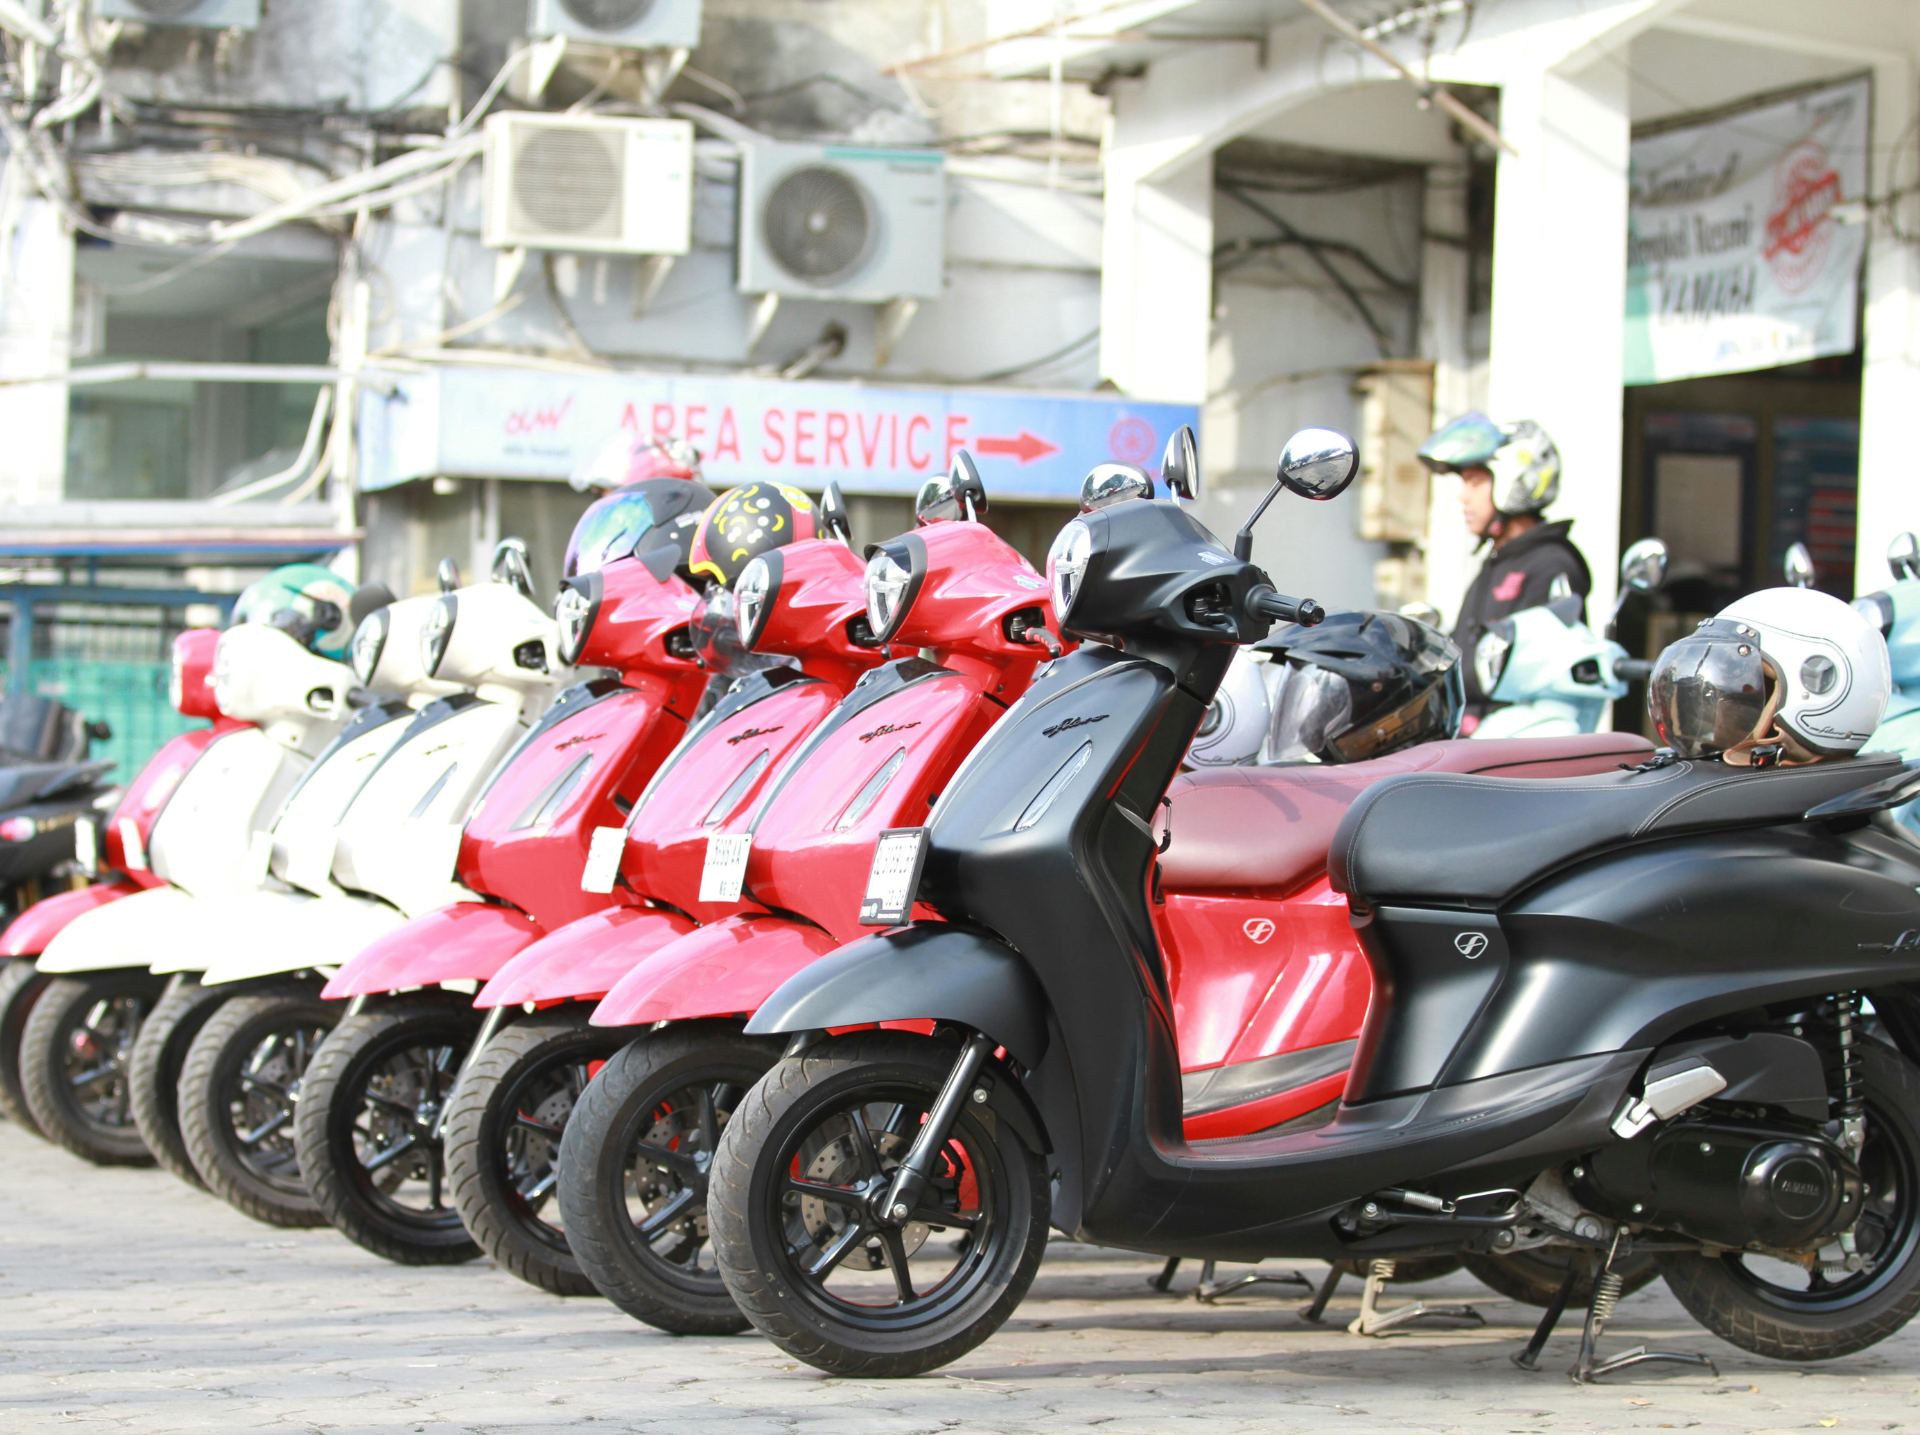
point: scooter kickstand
(1606, 1295)
(1209, 1291)
(1317, 1307)
(1371, 1321)
(1529, 1359)
(1165, 1279)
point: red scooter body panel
(462, 941)
(582, 960)
(909, 742)
(724, 969)
(1260, 956)
(27, 935)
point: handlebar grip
(1633, 670)
(1269, 604)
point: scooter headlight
(895, 570)
(754, 595)
(1490, 656)
(437, 632)
(369, 642)
(574, 610)
(1067, 566)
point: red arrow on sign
(1026, 448)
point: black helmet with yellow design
(745, 522)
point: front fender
(928, 970)
(582, 960)
(463, 941)
(726, 967)
(27, 935)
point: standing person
(1508, 477)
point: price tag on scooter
(894, 877)
(725, 872)
(603, 859)
(86, 846)
(133, 849)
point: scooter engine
(1727, 1184)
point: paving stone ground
(129, 1302)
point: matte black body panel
(1435, 971)
(924, 971)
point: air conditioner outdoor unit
(643, 24)
(835, 222)
(211, 14)
(585, 184)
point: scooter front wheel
(74, 1055)
(796, 1210)
(158, 1055)
(503, 1142)
(20, 987)
(634, 1171)
(239, 1089)
(368, 1129)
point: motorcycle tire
(1784, 1312)
(1534, 1277)
(766, 1223)
(634, 1171)
(74, 1056)
(158, 1056)
(20, 987)
(503, 1135)
(371, 1098)
(239, 1090)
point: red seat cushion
(1267, 829)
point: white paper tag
(259, 858)
(894, 877)
(725, 872)
(603, 859)
(134, 850)
(86, 845)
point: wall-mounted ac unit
(584, 184)
(211, 14)
(644, 24)
(835, 222)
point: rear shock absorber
(1852, 1105)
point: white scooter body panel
(303, 838)
(201, 838)
(131, 932)
(307, 933)
(401, 835)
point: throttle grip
(1269, 604)
(1633, 670)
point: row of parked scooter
(431, 937)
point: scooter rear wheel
(634, 1172)
(20, 987)
(1783, 1311)
(158, 1056)
(807, 1155)
(73, 1063)
(238, 1095)
(368, 1129)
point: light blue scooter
(1895, 611)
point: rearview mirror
(1903, 556)
(1643, 567)
(1180, 465)
(834, 521)
(1798, 566)
(1109, 483)
(1318, 464)
(449, 575)
(957, 494)
(510, 566)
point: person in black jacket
(1508, 477)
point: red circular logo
(1800, 230)
(1132, 440)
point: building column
(36, 337)
(1890, 374)
(1156, 281)
(1559, 291)
(1444, 297)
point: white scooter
(293, 855)
(1554, 673)
(75, 1049)
(390, 857)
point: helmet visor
(1470, 441)
(1314, 704)
(607, 531)
(1429, 715)
(1708, 693)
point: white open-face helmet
(1829, 664)
(1237, 718)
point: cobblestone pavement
(128, 1302)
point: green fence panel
(130, 697)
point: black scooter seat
(1475, 841)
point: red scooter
(121, 857)
(504, 1123)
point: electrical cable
(1316, 253)
(1040, 363)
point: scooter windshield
(610, 529)
(1707, 692)
(1313, 703)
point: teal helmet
(313, 604)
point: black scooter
(52, 798)
(1615, 1015)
